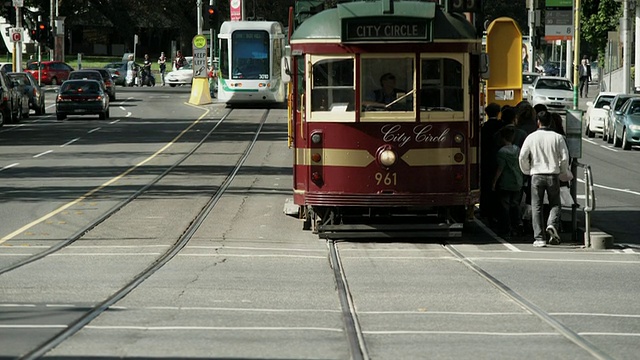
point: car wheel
(102, 115)
(616, 142)
(172, 85)
(625, 143)
(609, 136)
(106, 114)
(60, 116)
(1, 118)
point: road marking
(608, 148)
(114, 121)
(10, 166)
(103, 186)
(93, 130)
(43, 153)
(69, 142)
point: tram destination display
(372, 29)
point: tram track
(164, 257)
(114, 209)
(362, 337)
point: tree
(598, 17)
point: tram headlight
(387, 157)
(316, 138)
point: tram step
(360, 231)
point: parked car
(10, 101)
(51, 72)
(21, 87)
(527, 80)
(118, 71)
(555, 92)
(182, 76)
(108, 81)
(596, 114)
(6, 67)
(34, 91)
(82, 97)
(553, 68)
(626, 126)
(616, 105)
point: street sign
(18, 3)
(558, 25)
(16, 34)
(200, 57)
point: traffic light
(42, 31)
(212, 14)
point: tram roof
(327, 26)
(272, 27)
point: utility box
(504, 47)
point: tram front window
(332, 87)
(250, 55)
(387, 84)
(441, 92)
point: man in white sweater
(544, 155)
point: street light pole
(576, 53)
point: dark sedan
(108, 81)
(626, 126)
(82, 97)
(35, 93)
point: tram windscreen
(250, 55)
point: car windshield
(621, 102)
(554, 84)
(34, 66)
(634, 107)
(21, 79)
(602, 101)
(73, 88)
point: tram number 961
(386, 178)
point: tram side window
(332, 88)
(387, 84)
(224, 58)
(277, 55)
(442, 86)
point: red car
(51, 72)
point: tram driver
(388, 96)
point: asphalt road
(252, 284)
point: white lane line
(42, 153)
(122, 108)
(439, 332)
(93, 130)
(114, 121)
(70, 142)
(10, 166)
(608, 148)
(212, 328)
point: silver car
(527, 80)
(555, 92)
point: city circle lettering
(421, 133)
(390, 31)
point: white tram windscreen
(250, 55)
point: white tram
(250, 56)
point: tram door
(301, 152)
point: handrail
(590, 202)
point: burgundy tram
(369, 159)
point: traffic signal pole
(18, 44)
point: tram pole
(576, 80)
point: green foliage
(597, 19)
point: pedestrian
(507, 182)
(162, 64)
(488, 162)
(544, 156)
(508, 118)
(585, 76)
(526, 117)
(179, 61)
(131, 72)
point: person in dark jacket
(488, 162)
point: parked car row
(19, 93)
(616, 117)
